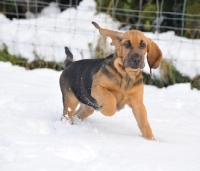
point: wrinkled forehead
(134, 36)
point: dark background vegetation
(18, 8)
(139, 14)
(142, 14)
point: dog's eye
(127, 45)
(142, 45)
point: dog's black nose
(136, 59)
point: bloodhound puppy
(108, 84)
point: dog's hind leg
(84, 111)
(70, 103)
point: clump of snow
(29, 15)
(69, 109)
(50, 10)
(32, 136)
(3, 18)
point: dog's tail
(69, 58)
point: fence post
(138, 23)
(183, 14)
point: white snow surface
(32, 136)
(47, 35)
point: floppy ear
(154, 54)
(114, 35)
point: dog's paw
(150, 137)
(147, 133)
(65, 118)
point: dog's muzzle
(134, 61)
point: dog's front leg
(140, 114)
(139, 111)
(105, 99)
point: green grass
(195, 83)
(16, 60)
(169, 74)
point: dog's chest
(127, 83)
(126, 87)
(122, 78)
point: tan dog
(110, 83)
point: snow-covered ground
(47, 35)
(33, 138)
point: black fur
(110, 75)
(69, 57)
(78, 77)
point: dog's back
(78, 76)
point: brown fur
(119, 81)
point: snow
(32, 136)
(52, 9)
(47, 35)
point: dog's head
(132, 46)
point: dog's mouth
(135, 62)
(139, 66)
(133, 69)
(134, 66)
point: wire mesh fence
(32, 16)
